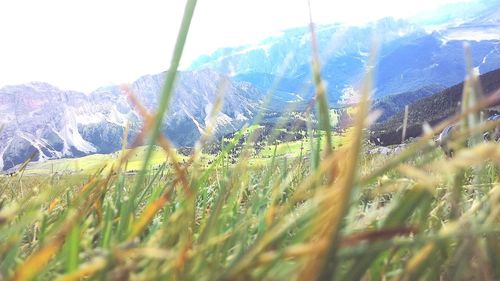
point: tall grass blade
(166, 93)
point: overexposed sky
(81, 45)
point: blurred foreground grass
(324, 213)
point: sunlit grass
(92, 163)
(318, 208)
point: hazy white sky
(81, 45)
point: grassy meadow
(320, 208)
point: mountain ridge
(410, 56)
(41, 119)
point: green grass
(91, 164)
(315, 209)
(88, 165)
(255, 222)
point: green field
(93, 163)
(320, 208)
(261, 216)
(272, 214)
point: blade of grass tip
(471, 94)
(24, 165)
(73, 245)
(166, 93)
(346, 182)
(405, 123)
(162, 140)
(108, 224)
(275, 132)
(314, 155)
(150, 184)
(313, 179)
(271, 166)
(222, 155)
(324, 115)
(148, 214)
(476, 95)
(317, 150)
(469, 99)
(278, 188)
(214, 215)
(119, 190)
(43, 229)
(301, 156)
(159, 202)
(124, 218)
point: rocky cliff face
(41, 120)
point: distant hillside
(390, 105)
(432, 110)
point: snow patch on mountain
(71, 135)
(116, 117)
(2, 153)
(208, 111)
(492, 52)
(472, 34)
(241, 117)
(85, 117)
(197, 124)
(223, 120)
(37, 144)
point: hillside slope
(390, 105)
(432, 110)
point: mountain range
(409, 55)
(42, 120)
(415, 60)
